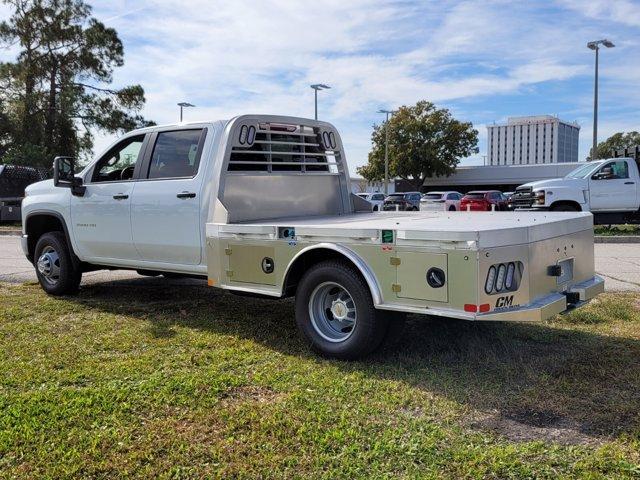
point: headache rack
(284, 148)
(632, 152)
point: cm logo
(504, 301)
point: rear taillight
(503, 277)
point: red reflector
(470, 307)
(485, 307)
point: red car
(482, 201)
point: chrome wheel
(332, 311)
(48, 265)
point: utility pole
(595, 45)
(386, 148)
(316, 87)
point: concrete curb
(11, 233)
(617, 239)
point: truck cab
(604, 187)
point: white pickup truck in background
(608, 188)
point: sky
(484, 60)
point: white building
(532, 140)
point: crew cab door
(101, 218)
(165, 208)
(611, 188)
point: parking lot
(619, 264)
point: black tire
(56, 271)
(369, 327)
(564, 207)
(452, 208)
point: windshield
(582, 172)
(363, 195)
(474, 196)
(432, 196)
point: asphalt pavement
(619, 264)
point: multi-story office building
(533, 140)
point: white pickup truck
(609, 188)
(262, 205)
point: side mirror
(63, 175)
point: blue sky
(484, 60)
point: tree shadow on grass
(524, 381)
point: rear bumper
(550, 305)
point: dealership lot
(619, 264)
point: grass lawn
(609, 230)
(187, 381)
(10, 226)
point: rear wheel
(335, 312)
(452, 208)
(55, 269)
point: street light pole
(184, 105)
(316, 87)
(386, 149)
(595, 45)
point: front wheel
(335, 312)
(55, 269)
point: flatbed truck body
(262, 205)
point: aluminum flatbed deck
(485, 229)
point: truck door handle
(186, 195)
(629, 183)
(120, 196)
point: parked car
(439, 201)
(375, 199)
(216, 200)
(403, 201)
(509, 197)
(483, 201)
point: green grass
(609, 230)
(185, 381)
(10, 226)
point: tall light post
(386, 148)
(595, 45)
(184, 105)
(316, 87)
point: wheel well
(305, 262)
(566, 202)
(39, 224)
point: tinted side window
(175, 154)
(618, 169)
(119, 163)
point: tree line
(57, 93)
